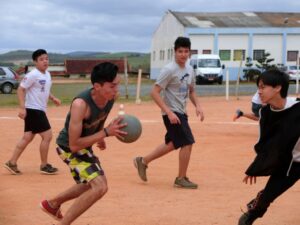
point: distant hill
(136, 60)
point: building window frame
(258, 54)
(225, 54)
(292, 55)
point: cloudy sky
(104, 25)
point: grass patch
(67, 91)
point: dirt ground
(222, 152)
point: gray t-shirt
(175, 82)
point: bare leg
(21, 145)
(44, 146)
(160, 151)
(184, 159)
(71, 193)
(98, 187)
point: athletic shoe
(141, 167)
(54, 213)
(48, 169)
(13, 168)
(184, 182)
(237, 114)
(247, 219)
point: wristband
(105, 131)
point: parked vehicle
(292, 72)
(9, 80)
(208, 68)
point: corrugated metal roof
(237, 19)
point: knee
(47, 137)
(100, 190)
(28, 138)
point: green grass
(135, 60)
(67, 91)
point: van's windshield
(204, 63)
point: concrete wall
(276, 41)
(163, 40)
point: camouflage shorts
(84, 165)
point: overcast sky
(104, 25)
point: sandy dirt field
(222, 152)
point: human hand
(199, 112)
(115, 126)
(22, 113)
(173, 118)
(56, 101)
(101, 144)
(251, 178)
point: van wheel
(220, 80)
(6, 88)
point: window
(239, 55)
(292, 56)
(153, 56)
(258, 54)
(2, 72)
(225, 55)
(206, 51)
(169, 54)
(194, 51)
(161, 54)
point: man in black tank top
(84, 127)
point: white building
(231, 35)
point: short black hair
(275, 77)
(182, 42)
(104, 72)
(38, 53)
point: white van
(208, 68)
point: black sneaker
(48, 169)
(246, 219)
(13, 168)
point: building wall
(293, 41)
(271, 43)
(275, 40)
(203, 42)
(163, 43)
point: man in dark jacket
(278, 148)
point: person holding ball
(84, 127)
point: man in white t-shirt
(256, 106)
(33, 94)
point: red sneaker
(55, 213)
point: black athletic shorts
(180, 134)
(256, 108)
(36, 121)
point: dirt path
(220, 156)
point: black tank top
(91, 125)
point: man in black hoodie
(278, 148)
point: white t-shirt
(175, 82)
(256, 99)
(37, 87)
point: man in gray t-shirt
(177, 83)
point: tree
(250, 74)
(264, 63)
